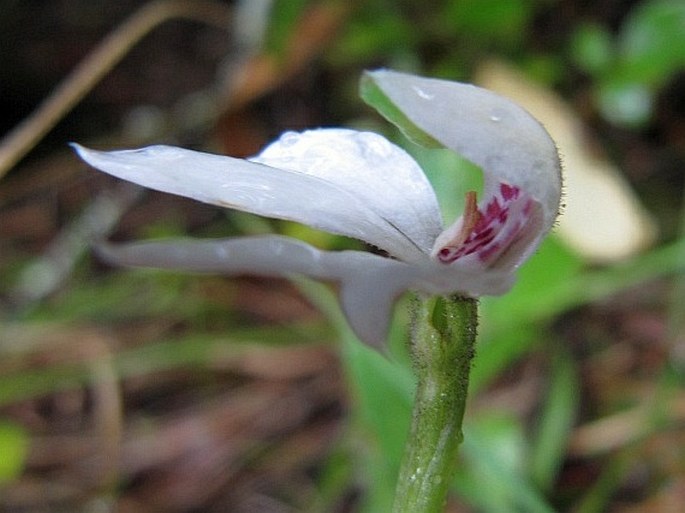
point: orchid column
(359, 185)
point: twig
(103, 58)
(45, 274)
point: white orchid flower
(360, 185)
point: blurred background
(149, 391)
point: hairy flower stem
(442, 348)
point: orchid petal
(259, 189)
(369, 283)
(502, 235)
(369, 167)
(509, 144)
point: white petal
(369, 284)
(490, 130)
(380, 174)
(501, 235)
(256, 188)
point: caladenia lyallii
(360, 185)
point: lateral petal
(368, 166)
(256, 188)
(369, 284)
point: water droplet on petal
(372, 146)
(423, 94)
(289, 139)
(497, 115)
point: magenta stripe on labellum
(493, 229)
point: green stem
(442, 348)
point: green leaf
(502, 487)
(652, 41)
(535, 294)
(14, 446)
(333, 481)
(283, 21)
(556, 419)
(491, 21)
(592, 48)
(509, 326)
(371, 35)
(550, 283)
(383, 394)
(382, 391)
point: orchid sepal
(368, 283)
(493, 132)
